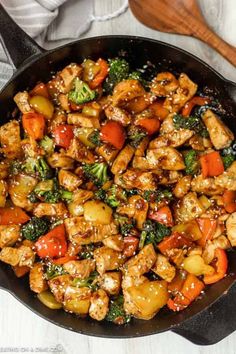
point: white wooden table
(20, 328)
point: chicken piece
(99, 305)
(60, 160)
(9, 235)
(136, 208)
(142, 262)
(136, 179)
(122, 160)
(140, 150)
(80, 269)
(111, 282)
(83, 121)
(118, 114)
(114, 242)
(10, 139)
(108, 152)
(166, 158)
(79, 152)
(209, 251)
(58, 286)
(168, 177)
(186, 90)
(126, 91)
(139, 104)
(163, 268)
(173, 139)
(164, 84)
(206, 186)
(3, 193)
(227, 179)
(37, 280)
(188, 208)
(64, 79)
(22, 101)
(83, 232)
(145, 300)
(64, 102)
(176, 255)
(141, 163)
(231, 229)
(69, 180)
(107, 259)
(220, 135)
(27, 256)
(198, 143)
(58, 210)
(182, 187)
(10, 256)
(20, 186)
(77, 300)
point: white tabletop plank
(19, 327)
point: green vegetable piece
(47, 144)
(228, 156)
(192, 123)
(116, 311)
(125, 224)
(38, 167)
(54, 270)
(94, 138)
(153, 232)
(136, 135)
(89, 282)
(96, 172)
(81, 92)
(191, 162)
(119, 71)
(34, 228)
(87, 251)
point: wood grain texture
(19, 327)
(182, 17)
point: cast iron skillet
(209, 319)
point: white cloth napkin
(51, 23)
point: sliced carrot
(229, 200)
(99, 78)
(13, 215)
(211, 164)
(65, 259)
(40, 89)
(195, 101)
(152, 125)
(158, 110)
(208, 228)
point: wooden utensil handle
(216, 42)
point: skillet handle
(213, 324)
(18, 46)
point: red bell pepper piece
(195, 101)
(229, 200)
(63, 134)
(34, 125)
(151, 125)
(175, 240)
(40, 89)
(162, 215)
(102, 74)
(208, 228)
(158, 110)
(13, 215)
(221, 267)
(130, 246)
(211, 164)
(53, 244)
(113, 132)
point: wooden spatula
(182, 17)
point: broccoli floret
(49, 192)
(136, 135)
(100, 194)
(47, 144)
(137, 75)
(94, 138)
(153, 232)
(35, 228)
(115, 195)
(130, 192)
(192, 123)
(81, 92)
(119, 70)
(87, 251)
(158, 196)
(65, 195)
(54, 270)
(116, 311)
(125, 224)
(15, 167)
(228, 156)
(191, 162)
(96, 172)
(38, 167)
(89, 282)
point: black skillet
(209, 319)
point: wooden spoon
(182, 17)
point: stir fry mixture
(117, 194)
